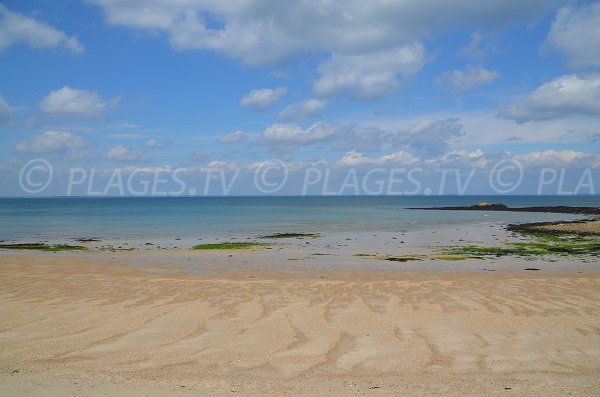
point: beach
(412, 303)
(301, 198)
(74, 326)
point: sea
(159, 218)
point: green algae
(43, 247)
(291, 235)
(228, 245)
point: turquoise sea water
(157, 217)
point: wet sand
(72, 325)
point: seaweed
(538, 229)
(113, 249)
(228, 245)
(43, 247)
(400, 258)
(452, 257)
(562, 246)
(291, 235)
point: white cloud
(153, 144)
(462, 159)
(371, 75)
(261, 100)
(303, 109)
(427, 137)
(558, 158)
(73, 102)
(564, 96)
(6, 112)
(218, 164)
(124, 153)
(484, 127)
(18, 29)
(291, 134)
(55, 142)
(354, 159)
(287, 137)
(466, 80)
(475, 159)
(267, 30)
(576, 33)
(233, 137)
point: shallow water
(188, 217)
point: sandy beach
(75, 326)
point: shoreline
(305, 316)
(425, 250)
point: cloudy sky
(162, 84)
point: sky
(223, 95)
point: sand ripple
(66, 317)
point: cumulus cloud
(6, 112)
(303, 109)
(124, 153)
(268, 30)
(55, 142)
(18, 29)
(233, 137)
(261, 100)
(564, 96)
(68, 101)
(369, 76)
(576, 33)
(466, 80)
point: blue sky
(118, 84)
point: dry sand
(70, 327)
